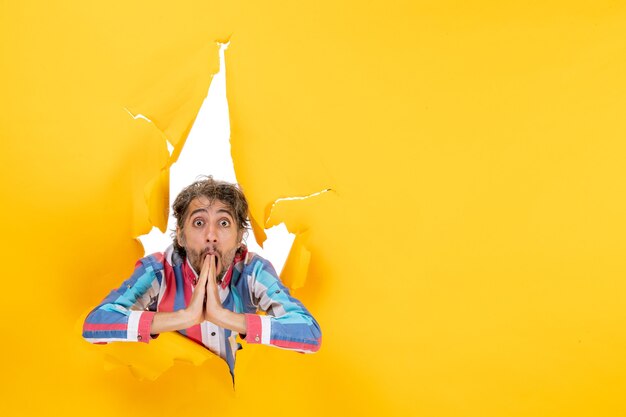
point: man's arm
(287, 323)
(125, 313)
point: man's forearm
(171, 321)
(231, 320)
(181, 319)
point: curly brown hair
(226, 192)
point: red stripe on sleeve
(309, 347)
(145, 323)
(253, 328)
(93, 327)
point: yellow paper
(467, 262)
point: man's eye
(198, 223)
(224, 223)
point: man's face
(209, 229)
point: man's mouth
(215, 253)
(210, 251)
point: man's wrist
(219, 316)
(186, 318)
(230, 320)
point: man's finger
(212, 272)
(204, 272)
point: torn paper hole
(206, 152)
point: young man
(206, 286)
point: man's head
(211, 218)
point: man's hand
(213, 307)
(205, 304)
(213, 310)
(195, 309)
(190, 316)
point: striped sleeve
(126, 313)
(287, 323)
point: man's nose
(211, 235)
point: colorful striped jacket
(165, 282)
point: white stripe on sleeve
(133, 325)
(266, 329)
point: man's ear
(180, 239)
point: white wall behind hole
(207, 152)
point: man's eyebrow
(197, 210)
(223, 210)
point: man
(206, 286)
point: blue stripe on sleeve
(295, 332)
(105, 334)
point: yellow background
(467, 262)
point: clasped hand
(205, 302)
